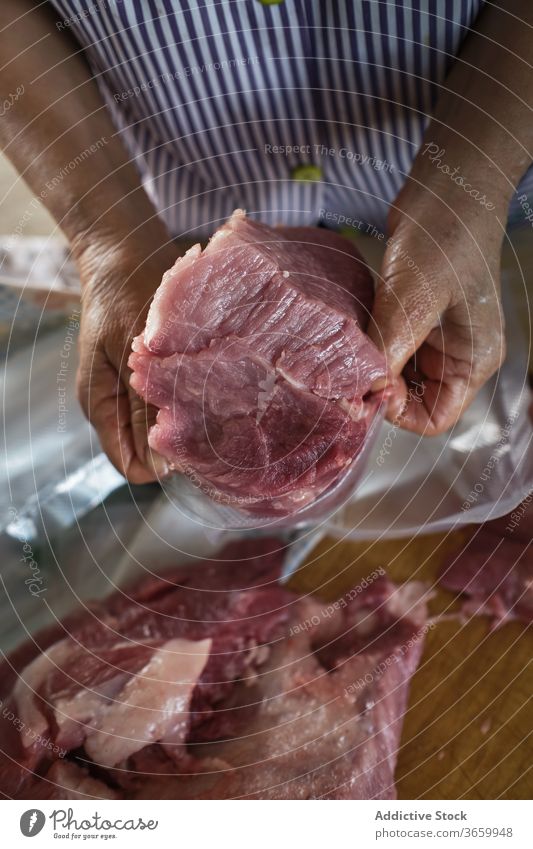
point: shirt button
(307, 173)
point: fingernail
(158, 463)
(397, 405)
(379, 384)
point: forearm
(59, 136)
(483, 120)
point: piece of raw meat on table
(214, 681)
(494, 568)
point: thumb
(142, 417)
(407, 307)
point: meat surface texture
(214, 681)
(255, 354)
(494, 569)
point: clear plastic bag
(217, 515)
(402, 483)
(479, 470)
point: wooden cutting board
(468, 731)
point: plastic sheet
(65, 514)
(71, 528)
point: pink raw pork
(213, 681)
(494, 568)
(256, 355)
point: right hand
(437, 313)
(118, 285)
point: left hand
(437, 313)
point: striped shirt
(300, 112)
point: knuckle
(142, 415)
(138, 414)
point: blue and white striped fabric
(209, 94)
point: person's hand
(118, 285)
(437, 313)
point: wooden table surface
(468, 729)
